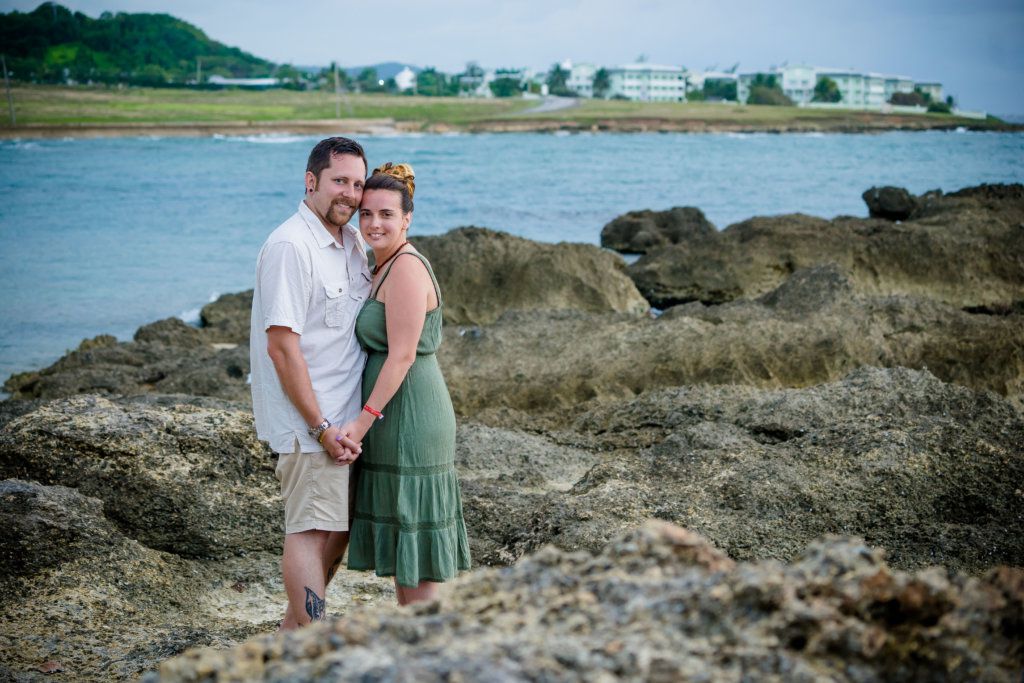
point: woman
(408, 512)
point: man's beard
(340, 212)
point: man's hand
(354, 431)
(340, 448)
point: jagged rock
(929, 471)
(48, 526)
(639, 232)
(963, 249)
(890, 203)
(227, 318)
(484, 273)
(810, 291)
(164, 359)
(76, 590)
(170, 331)
(810, 330)
(661, 604)
(183, 478)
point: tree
(826, 90)
(602, 82)
(368, 81)
(505, 87)
(764, 89)
(431, 82)
(558, 79)
(719, 89)
(53, 44)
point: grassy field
(57, 105)
(84, 106)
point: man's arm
(290, 364)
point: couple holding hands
(348, 392)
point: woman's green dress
(408, 506)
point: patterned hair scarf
(401, 172)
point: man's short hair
(320, 157)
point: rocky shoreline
(827, 415)
(854, 122)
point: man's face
(336, 194)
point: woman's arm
(408, 292)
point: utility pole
(7, 86)
(199, 70)
(337, 93)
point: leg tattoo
(334, 567)
(316, 606)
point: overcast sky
(974, 48)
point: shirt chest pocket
(338, 309)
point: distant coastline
(867, 124)
(84, 112)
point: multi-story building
(648, 82)
(581, 78)
(858, 89)
(895, 84)
(932, 89)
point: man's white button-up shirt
(308, 282)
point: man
(311, 280)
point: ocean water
(101, 236)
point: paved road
(553, 103)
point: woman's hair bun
(401, 172)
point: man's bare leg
(332, 551)
(302, 566)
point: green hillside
(51, 44)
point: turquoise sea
(101, 236)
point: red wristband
(376, 413)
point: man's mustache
(346, 202)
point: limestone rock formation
(227, 318)
(177, 474)
(661, 604)
(931, 472)
(963, 249)
(890, 203)
(640, 232)
(484, 273)
(167, 357)
(79, 596)
(812, 329)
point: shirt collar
(321, 234)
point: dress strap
(421, 257)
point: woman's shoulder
(411, 265)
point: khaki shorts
(317, 492)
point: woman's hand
(354, 431)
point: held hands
(352, 434)
(342, 449)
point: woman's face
(381, 220)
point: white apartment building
(645, 82)
(933, 89)
(858, 89)
(581, 78)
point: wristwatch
(318, 431)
